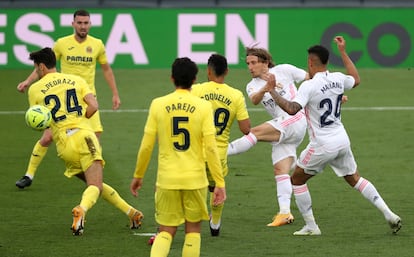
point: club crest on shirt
(89, 49)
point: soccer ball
(38, 117)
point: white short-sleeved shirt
(286, 76)
(321, 99)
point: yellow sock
(110, 195)
(162, 244)
(89, 197)
(36, 158)
(216, 211)
(192, 245)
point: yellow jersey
(183, 124)
(63, 95)
(80, 58)
(228, 104)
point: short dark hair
(262, 54)
(45, 56)
(218, 63)
(184, 72)
(321, 52)
(81, 13)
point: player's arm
(215, 168)
(244, 126)
(110, 79)
(22, 86)
(349, 65)
(143, 159)
(92, 105)
(288, 106)
(257, 97)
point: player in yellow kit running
(78, 54)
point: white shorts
(315, 158)
(292, 130)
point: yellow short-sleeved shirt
(76, 142)
(228, 105)
(81, 59)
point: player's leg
(283, 190)
(195, 210)
(348, 165)
(38, 153)
(311, 158)
(168, 209)
(82, 152)
(192, 240)
(304, 202)
(264, 132)
(110, 195)
(93, 176)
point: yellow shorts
(79, 148)
(95, 122)
(174, 207)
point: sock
(284, 192)
(192, 245)
(161, 245)
(89, 197)
(242, 144)
(369, 191)
(110, 195)
(36, 158)
(304, 204)
(216, 212)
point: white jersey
(321, 98)
(286, 76)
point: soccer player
(329, 143)
(71, 101)
(183, 126)
(284, 131)
(78, 54)
(228, 105)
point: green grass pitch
(379, 118)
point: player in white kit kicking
(329, 144)
(284, 131)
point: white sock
(284, 192)
(215, 226)
(369, 191)
(242, 144)
(304, 204)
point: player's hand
(271, 83)
(344, 99)
(136, 185)
(219, 195)
(116, 102)
(22, 86)
(340, 42)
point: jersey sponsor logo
(85, 59)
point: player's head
(44, 61)
(81, 23)
(318, 57)
(258, 60)
(184, 72)
(217, 66)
